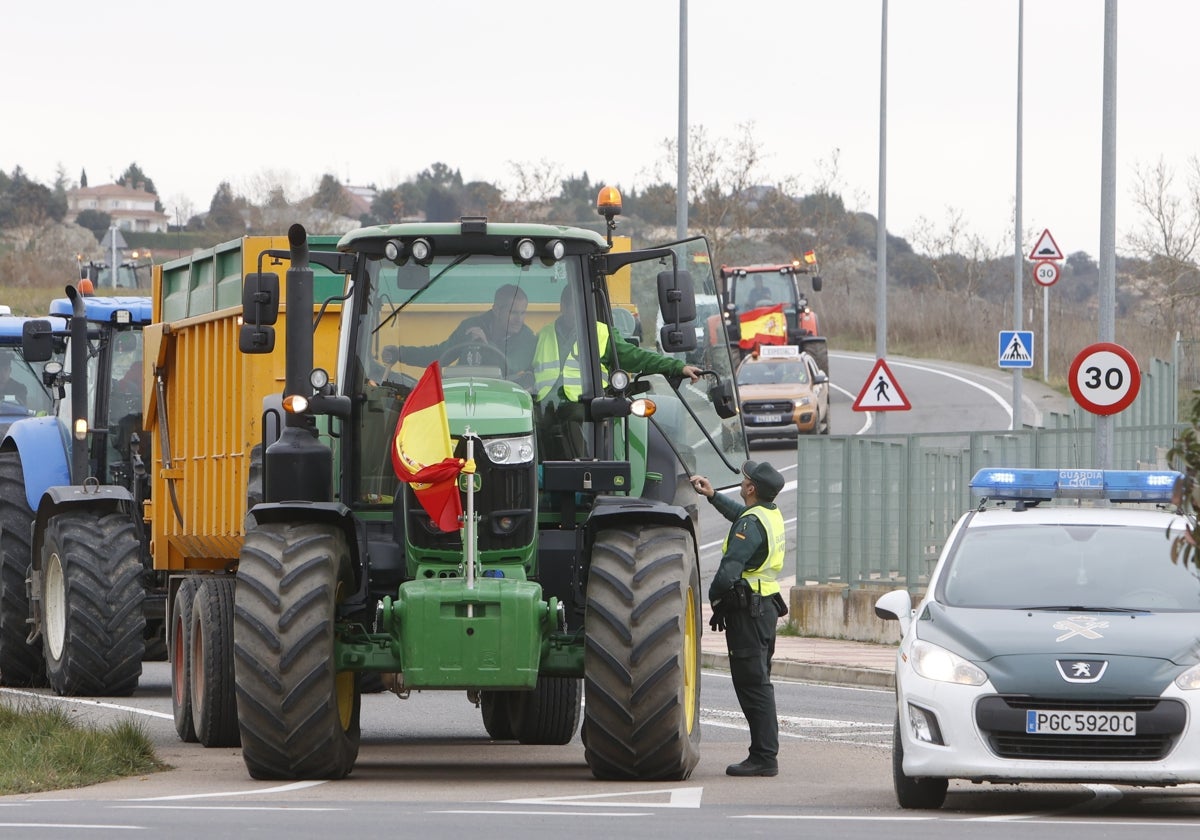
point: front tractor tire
(299, 718)
(92, 604)
(21, 663)
(642, 658)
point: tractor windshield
(509, 340)
(766, 288)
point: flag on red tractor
(764, 325)
(422, 454)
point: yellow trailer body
(204, 399)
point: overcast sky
(375, 92)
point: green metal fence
(877, 510)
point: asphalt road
(426, 765)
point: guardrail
(876, 510)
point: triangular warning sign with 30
(881, 391)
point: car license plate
(768, 418)
(1038, 722)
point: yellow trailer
(205, 405)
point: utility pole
(1018, 250)
(1108, 216)
(881, 229)
(681, 185)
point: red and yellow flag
(764, 325)
(810, 257)
(422, 454)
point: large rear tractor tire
(299, 718)
(92, 598)
(642, 658)
(21, 663)
(549, 714)
(214, 701)
(181, 659)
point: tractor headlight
(514, 450)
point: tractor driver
(558, 378)
(501, 331)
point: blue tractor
(22, 392)
(74, 559)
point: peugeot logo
(1082, 670)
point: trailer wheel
(549, 714)
(493, 705)
(92, 597)
(214, 703)
(642, 657)
(21, 663)
(181, 659)
(299, 718)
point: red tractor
(763, 304)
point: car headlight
(515, 450)
(937, 663)
(803, 401)
(1189, 680)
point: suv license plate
(768, 418)
(1039, 722)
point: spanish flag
(810, 257)
(422, 454)
(764, 325)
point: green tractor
(574, 576)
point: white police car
(1055, 643)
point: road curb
(814, 672)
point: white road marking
(494, 812)
(84, 701)
(255, 792)
(676, 798)
(84, 826)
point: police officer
(747, 605)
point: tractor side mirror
(677, 302)
(37, 341)
(260, 309)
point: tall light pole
(681, 191)
(1018, 250)
(881, 229)
(1108, 215)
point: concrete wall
(835, 611)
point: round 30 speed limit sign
(1104, 378)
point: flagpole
(469, 521)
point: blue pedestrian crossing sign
(1016, 348)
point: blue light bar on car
(1113, 485)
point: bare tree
(1167, 239)
(181, 209)
(533, 188)
(957, 256)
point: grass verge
(42, 748)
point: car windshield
(772, 373)
(1068, 566)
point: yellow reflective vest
(762, 580)
(549, 367)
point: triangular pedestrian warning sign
(1046, 248)
(881, 391)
